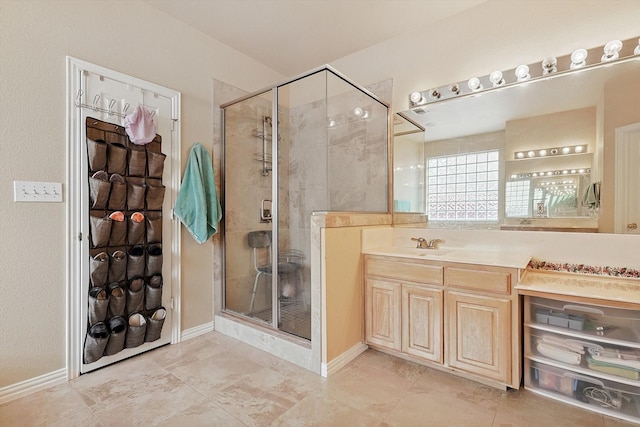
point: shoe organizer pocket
(135, 194)
(137, 162)
(99, 191)
(154, 324)
(135, 295)
(155, 196)
(585, 390)
(117, 266)
(100, 226)
(588, 320)
(118, 236)
(136, 228)
(99, 269)
(135, 264)
(98, 305)
(153, 292)
(117, 300)
(95, 342)
(118, 195)
(154, 259)
(117, 332)
(154, 227)
(155, 163)
(116, 158)
(97, 154)
(136, 330)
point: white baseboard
(30, 386)
(187, 334)
(339, 362)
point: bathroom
(468, 50)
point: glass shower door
(248, 209)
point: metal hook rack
(109, 111)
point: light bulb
(520, 155)
(531, 154)
(549, 65)
(542, 153)
(416, 97)
(496, 78)
(578, 58)
(435, 94)
(358, 112)
(474, 84)
(611, 50)
(578, 149)
(522, 73)
(455, 89)
(554, 151)
(566, 150)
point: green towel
(197, 204)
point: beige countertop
(603, 287)
(493, 258)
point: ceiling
(293, 36)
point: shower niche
(316, 143)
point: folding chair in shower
(289, 261)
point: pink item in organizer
(140, 126)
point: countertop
(603, 287)
(492, 258)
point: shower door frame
(315, 337)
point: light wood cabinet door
(479, 337)
(422, 322)
(382, 322)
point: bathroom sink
(412, 252)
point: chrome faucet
(424, 244)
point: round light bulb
(542, 153)
(520, 155)
(573, 171)
(531, 154)
(474, 84)
(611, 50)
(578, 58)
(580, 170)
(496, 78)
(549, 173)
(566, 150)
(415, 97)
(522, 73)
(358, 112)
(578, 149)
(554, 151)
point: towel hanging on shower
(197, 205)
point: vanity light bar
(561, 172)
(578, 60)
(550, 152)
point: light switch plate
(30, 191)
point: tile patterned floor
(213, 380)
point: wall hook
(112, 103)
(96, 99)
(125, 109)
(79, 97)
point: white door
(107, 96)
(627, 202)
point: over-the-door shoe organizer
(125, 239)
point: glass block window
(516, 199)
(463, 187)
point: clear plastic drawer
(607, 397)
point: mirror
(536, 155)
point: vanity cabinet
(462, 317)
(403, 306)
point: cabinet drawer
(398, 269)
(495, 281)
(602, 323)
(608, 397)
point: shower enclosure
(315, 143)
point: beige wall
(129, 37)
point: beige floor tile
(526, 409)
(204, 414)
(616, 422)
(324, 411)
(198, 348)
(56, 406)
(254, 406)
(375, 359)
